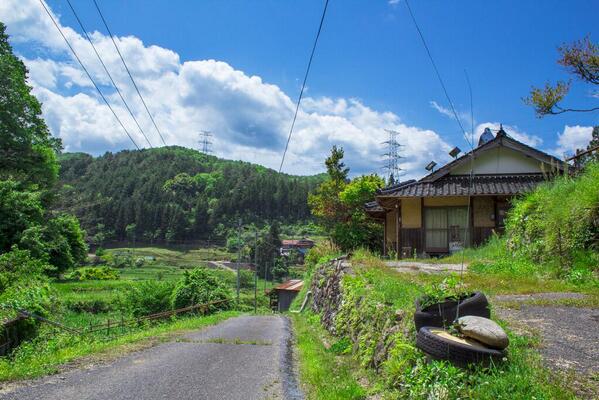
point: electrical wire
(299, 99)
(129, 72)
(87, 72)
(107, 72)
(430, 56)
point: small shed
(286, 292)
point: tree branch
(563, 110)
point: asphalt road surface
(246, 358)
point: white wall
(500, 160)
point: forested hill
(174, 193)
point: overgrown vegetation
(376, 317)
(326, 375)
(557, 226)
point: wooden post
(397, 230)
(422, 228)
(385, 236)
(399, 222)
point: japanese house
(463, 202)
(301, 245)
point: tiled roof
(395, 187)
(294, 285)
(373, 206)
(458, 185)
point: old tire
(441, 345)
(443, 314)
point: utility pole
(238, 256)
(265, 274)
(392, 156)
(256, 272)
(205, 142)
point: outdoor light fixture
(431, 165)
(455, 151)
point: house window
(445, 228)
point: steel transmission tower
(392, 157)
(205, 142)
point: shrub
(148, 297)
(93, 306)
(246, 279)
(557, 222)
(200, 286)
(23, 286)
(94, 274)
(121, 261)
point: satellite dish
(431, 165)
(486, 136)
(455, 151)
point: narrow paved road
(242, 358)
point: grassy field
(94, 301)
(177, 258)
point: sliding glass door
(445, 228)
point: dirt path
(241, 358)
(427, 268)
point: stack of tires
(437, 342)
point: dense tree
(593, 147)
(580, 59)
(339, 205)
(357, 229)
(28, 171)
(324, 202)
(27, 150)
(173, 193)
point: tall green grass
(326, 375)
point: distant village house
(301, 245)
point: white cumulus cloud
(513, 131)
(573, 138)
(250, 118)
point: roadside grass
(407, 374)
(325, 374)
(50, 351)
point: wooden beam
(385, 236)
(422, 229)
(399, 221)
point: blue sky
(370, 72)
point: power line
(108, 73)
(430, 56)
(88, 74)
(299, 99)
(129, 72)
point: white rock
(484, 330)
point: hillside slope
(174, 193)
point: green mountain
(174, 194)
